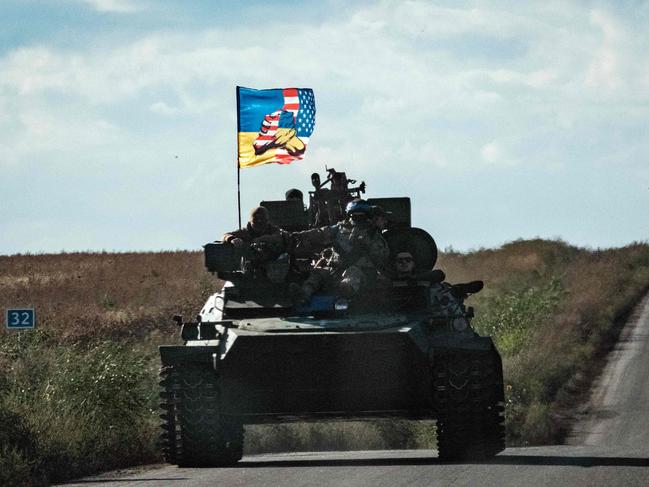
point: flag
(274, 125)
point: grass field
(79, 394)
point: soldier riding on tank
(258, 225)
(355, 253)
(261, 240)
(406, 271)
(327, 205)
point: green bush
(511, 319)
(83, 407)
(17, 449)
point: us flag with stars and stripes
(300, 104)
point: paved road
(609, 447)
(618, 414)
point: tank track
(469, 398)
(194, 433)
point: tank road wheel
(469, 398)
(194, 434)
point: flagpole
(238, 166)
(239, 192)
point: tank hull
(299, 376)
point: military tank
(252, 355)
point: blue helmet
(358, 207)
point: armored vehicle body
(403, 349)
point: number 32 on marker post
(20, 319)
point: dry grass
(103, 295)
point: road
(609, 446)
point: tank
(401, 350)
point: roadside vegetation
(554, 311)
(79, 394)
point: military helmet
(358, 207)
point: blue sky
(502, 120)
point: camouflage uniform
(265, 240)
(248, 234)
(357, 255)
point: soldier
(327, 205)
(263, 242)
(356, 255)
(258, 226)
(318, 202)
(404, 270)
(294, 194)
(404, 265)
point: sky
(500, 119)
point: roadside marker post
(20, 319)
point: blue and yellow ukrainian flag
(274, 126)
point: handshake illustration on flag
(273, 126)
(278, 131)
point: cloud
(162, 108)
(491, 153)
(42, 133)
(604, 70)
(411, 85)
(115, 6)
(417, 80)
(494, 155)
